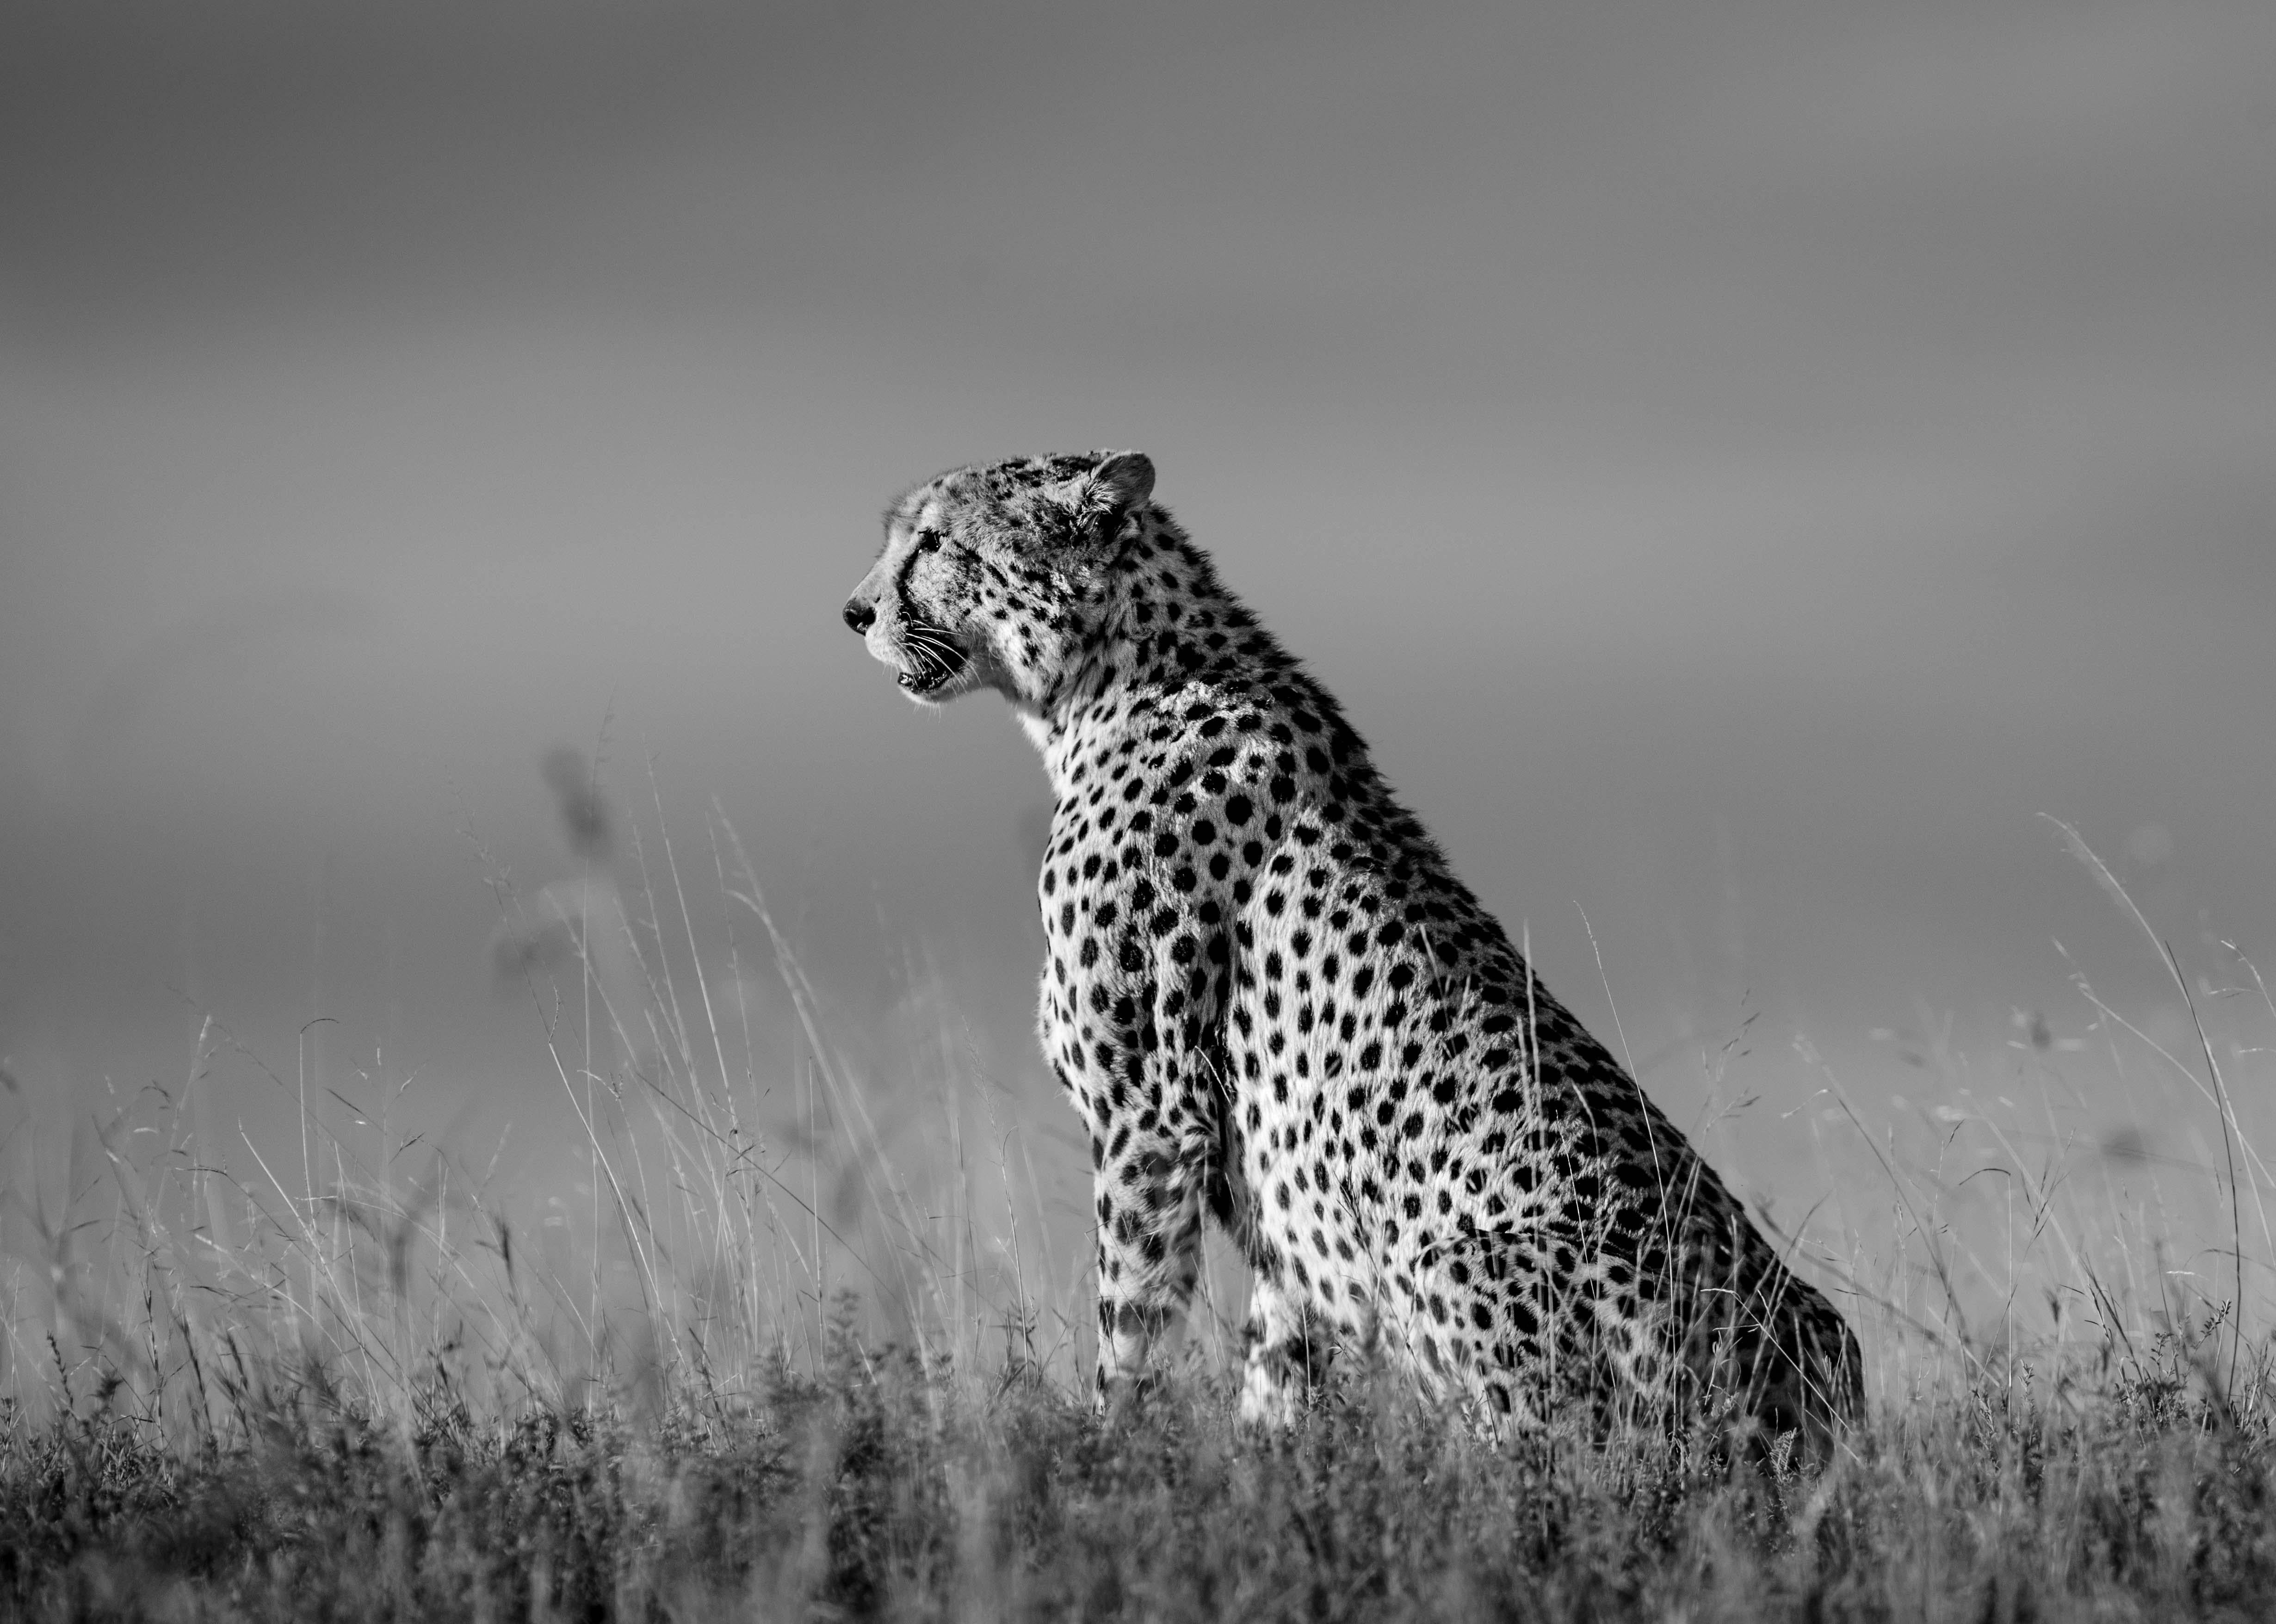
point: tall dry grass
(743, 1166)
(774, 1222)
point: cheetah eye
(928, 540)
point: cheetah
(1271, 1002)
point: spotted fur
(1271, 1001)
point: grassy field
(874, 1489)
(810, 1337)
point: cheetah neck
(1169, 636)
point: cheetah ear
(1122, 481)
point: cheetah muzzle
(1271, 1002)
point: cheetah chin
(928, 660)
(936, 660)
(1273, 1003)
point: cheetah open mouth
(935, 659)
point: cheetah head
(998, 576)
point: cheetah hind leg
(1287, 1357)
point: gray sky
(1738, 464)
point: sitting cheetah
(1268, 997)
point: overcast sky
(1739, 464)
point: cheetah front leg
(1163, 1144)
(1149, 1234)
(1286, 1356)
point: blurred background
(1740, 465)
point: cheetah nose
(859, 615)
